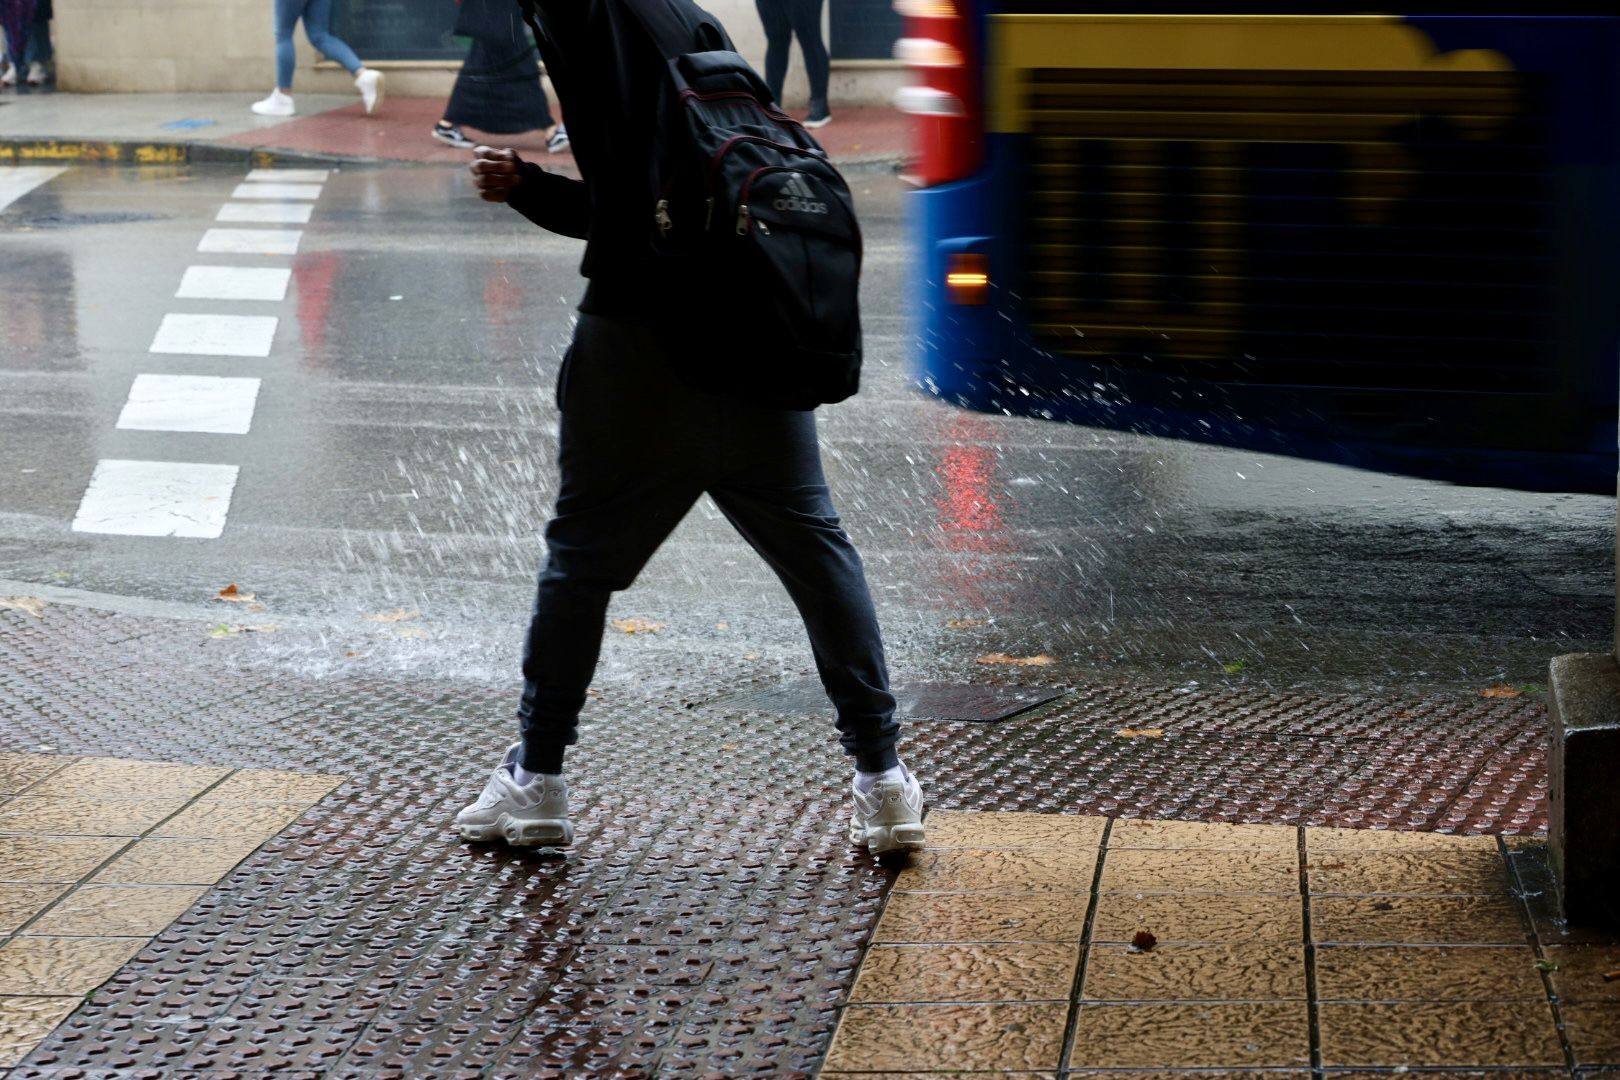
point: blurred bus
(1385, 240)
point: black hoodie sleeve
(553, 202)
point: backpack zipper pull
(742, 220)
(661, 215)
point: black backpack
(758, 223)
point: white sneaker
(524, 815)
(8, 75)
(36, 74)
(277, 104)
(369, 83)
(889, 817)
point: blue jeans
(638, 450)
(317, 16)
(38, 50)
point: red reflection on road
(314, 275)
(503, 299)
(968, 510)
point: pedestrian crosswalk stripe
(157, 498)
(266, 212)
(234, 283)
(17, 181)
(207, 403)
(291, 176)
(215, 335)
(250, 241)
(262, 190)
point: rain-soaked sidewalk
(711, 918)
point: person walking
(37, 53)
(15, 15)
(498, 88)
(620, 497)
(317, 17)
(783, 20)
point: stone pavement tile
(18, 772)
(1321, 839)
(1030, 870)
(176, 861)
(118, 910)
(1480, 1034)
(963, 917)
(19, 903)
(52, 859)
(273, 786)
(1197, 871)
(1201, 918)
(206, 819)
(1209, 1036)
(1137, 833)
(119, 778)
(978, 972)
(1585, 972)
(1222, 972)
(1427, 973)
(1469, 873)
(24, 1021)
(923, 1038)
(56, 965)
(1418, 920)
(73, 815)
(1009, 830)
(1593, 1031)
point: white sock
(865, 781)
(523, 776)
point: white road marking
(215, 335)
(190, 403)
(18, 180)
(157, 498)
(269, 213)
(250, 241)
(263, 190)
(291, 176)
(234, 283)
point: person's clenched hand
(496, 173)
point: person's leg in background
(318, 28)
(285, 21)
(15, 15)
(38, 54)
(773, 15)
(806, 17)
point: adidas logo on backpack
(796, 195)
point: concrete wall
(185, 46)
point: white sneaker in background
(888, 817)
(524, 815)
(558, 141)
(36, 74)
(369, 83)
(277, 104)
(8, 74)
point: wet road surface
(400, 457)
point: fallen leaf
(965, 624)
(33, 605)
(351, 652)
(1501, 690)
(233, 595)
(1546, 965)
(221, 630)
(636, 626)
(1234, 667)
(1143, 940)
(1611, 976)
(1016, 661)
(722, 626)
(1140, 733)
(415, 633)
(397, 615)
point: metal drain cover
(916, 701)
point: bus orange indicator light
(967, 279)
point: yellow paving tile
(1418, 920)
(1393, 840)
(62, 965)
(1466, 873)
(70, 815)
(1030, 870)
(1009, 831)
(19, 771)
(24, 1021)
(206, 819)
(19, 903)
(171, 861)
(1427, 973)
(1138, 833)
(1190, 870)
(271, 786)
(1203, 918)
(1453, 1033)
(1594, 1032)
(1156, 1036)
(114, 778)
(52, 858)
(118, 910)
(979, 972)
(1196, 973)
(967, 1038)
(941, 917)
(1586, 972)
